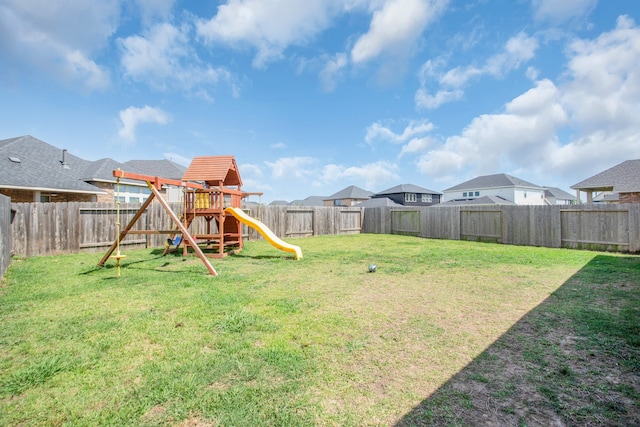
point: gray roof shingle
(558, 193)
(29, 163)
(164, 168)
(484, 200)
(493, 181)
(351, 192)
(622, 178)
(407, 188)
(102, 170)
(310, 201)
(377, 202)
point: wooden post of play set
(154, 184)
(211, 184)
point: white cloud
(133, 116)
(251, 169)
(278, 146)
(585, 125)
(425, 100)
(256, 185)
(291, 167)
(518, 50)
(163, 57)
(269, 26)
(332, 71)
(602, 94)
(57, 38)
(378, 132)
(177, 158)
(395, 27)
(417, 145)
(370, 175)
(559, 12)
(604, 90)
(524, 135)
(152, 10)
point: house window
(45, 198)
(336, 202)
(410, 197)
(464, 194)
(426, 198)
(477, 193)
(131, 193)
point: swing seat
(175, 241)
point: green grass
(442, 329)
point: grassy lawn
(443, 333)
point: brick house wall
(104, 186)
(629, 197)
(27, 196)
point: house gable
(410, 195)
(505, 186)
(348, 196)
(623, 179)
(31, 169)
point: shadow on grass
(573, 360)
(132, 264)
(178, 253)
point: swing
(118, 256)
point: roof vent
(64, 159)
(14, 159)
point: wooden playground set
(212, 190)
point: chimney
(64, 159)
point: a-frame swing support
(155, 183)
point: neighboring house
(622, 179)
(606, 197)
(32, 170)
(410, 195)
(348, 196)
(480, 201)
(505, 186)
(310, 201)
(376, 203)
(279, 203)
(557, 196)
(164, 168)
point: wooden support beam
(125, 231)
(185, 232)
(156, 181)
(156, 194)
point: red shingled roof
(214, 170)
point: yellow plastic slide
(265, 232)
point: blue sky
(312, 96)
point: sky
(313, 96)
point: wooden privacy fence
(5, 234)
(59, 228)
(596, 227)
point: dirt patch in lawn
(569, 362)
